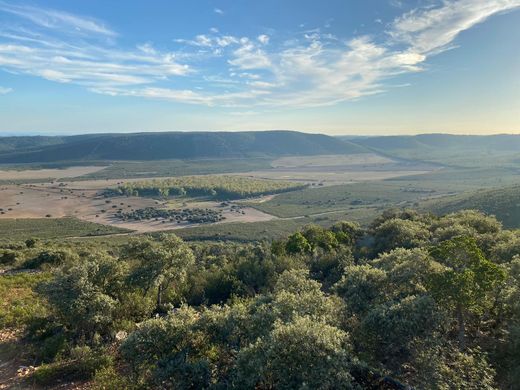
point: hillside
(458, 150)
(170, 145)
(504, 203)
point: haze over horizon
(351, 68)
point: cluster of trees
(412, 300)
(191, 215)
(217, 187)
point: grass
(346, 197)
(271, 230)
(406, 191)
(19, 303)
(22, 229)
(504, 203)
(164, 168)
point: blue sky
(330, 66)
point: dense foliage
(412, 300)
(191, 215)
(218, 187)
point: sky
(358, 67)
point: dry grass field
(32, 174)
(84, 200)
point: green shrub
(8, 257)
(107, 378)
(82, 365)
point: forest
(411, 300)
(216, 187)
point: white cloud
(432, 30)
(218, 11)
(5, 90)
(311, 69)
(263, 39)
(58, 20)
(248, 56)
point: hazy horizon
(350, 68)
(67, 133)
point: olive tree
(161, 262)
(467, 281)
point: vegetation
(468, 151)
(168, 145)
(217, 187)
(191, 215)
(20, 229)
(502, 202)
(168, 168)
(410, 300)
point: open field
(172, 168)
(338, 169)
(32, 174)
(349, 186)
(21, 229)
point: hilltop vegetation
(171, 145)
(411, 300)
(504, 203)
(217, 187)
(447, 149)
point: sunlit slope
(177, 145)
(504, 203)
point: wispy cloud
(5, 91)
(218, 11)
(432, 30)
(66, 48)
(54, 19)
(311, 69)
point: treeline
(217, 187)
(411, 301)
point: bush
(82, 365)
(107, 378)
(53, 258)
(8, 257)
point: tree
(400, 233)
(170, 352)
(302, 354)
(361, 286)
(161, 263)
(319, 237)
(467, 282)
(85, 296)
(297, 243)
(346, 232)
(297, 295)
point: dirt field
(83, 199)
(47, 173)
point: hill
(458, 150)
(170, 145)
(504, 203)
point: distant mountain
(456, 150)
(499, 142)
(170, 145)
